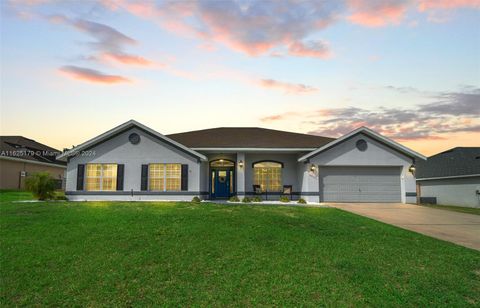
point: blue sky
(408, 69)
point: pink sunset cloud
(289, 88)
(90, 75)
(377, 13)
(127, 59)
(254, 28)
(424, 5)
(313, 49)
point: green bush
(196, 199)
(42, 185)
(246, 200)
(234, 199)
(257, 199)
(302, 201)
(284, 199)
(61, 197)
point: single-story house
(135, 162)
(20, 157)
(450, 178)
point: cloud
(455, 103)
(291, 88)
(377, 13)
(314, 49)
(126, 58)
(108, 44)
(450, 112)
(91, 75)
(424, 5)
(251, 27)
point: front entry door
(221, 183)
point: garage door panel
(360, 184)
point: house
(450, 178)
(134, 162)
(20, 157)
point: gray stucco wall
(347, 154)
(458, 192)
(120, 151)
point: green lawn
(14, 195)
(460, 209)
(182, 254)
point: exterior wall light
(412, 169)
(240, 164)
(313, 168)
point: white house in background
(451, 178)
(134, 162)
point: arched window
(222, 163)
(268, 174)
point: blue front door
(221, 183)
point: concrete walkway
(459, 228)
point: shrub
(246, 200)
(61, 197)
(284, 199)
(257, 199)
(42, 185)
(302, 201)
(234, 199)
(196, 199)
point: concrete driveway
(459, 228)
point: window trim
(165, 177)
(85, 176)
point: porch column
(241, 174)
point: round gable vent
(134, 138)
(361, 145)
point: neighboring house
(451, 177)
(20, 157)
(134, 162)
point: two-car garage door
(360, 184)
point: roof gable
(248, 137)
(121, 128)
(372, 134)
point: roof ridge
(249, 127)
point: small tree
(41, 184)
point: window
(156, 177)
(268, 175)
(165, 177)
(101, 177)
(222, 163)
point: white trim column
(240, 174)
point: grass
(460, 209)
(14, 195)
(184, 254)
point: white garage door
(360, 184)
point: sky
(408, 69)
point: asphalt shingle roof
(24, 148)
(454, 162)
(248, 137)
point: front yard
(183, 254)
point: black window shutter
(144, 183)
(80, 176)
(184, 177)
(120, 172)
